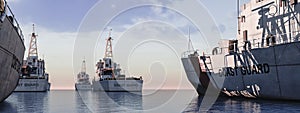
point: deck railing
(7, 12)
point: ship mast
(108, 48)
(190, 44)
(33, 44)
(33, 54)
(108, 56)
(238, 16)
(83, 67)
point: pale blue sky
(57, 15)
(66, 15)
(57, 23)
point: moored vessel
(109, 77)
(33, 77)
(11, 50)
(83, 79)
(263, 62)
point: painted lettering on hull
(122, 85)
(28, 84)
(248, 70)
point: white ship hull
(79, 86)
(118, 85)
(32, 85)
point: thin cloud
(13, 1)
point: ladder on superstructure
(208, 67)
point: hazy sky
(148, 39)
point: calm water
(242, 105)
(148, 101)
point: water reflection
(81, 98)
(97, 101)
(146, 101)
(224, 104)
(25, 102)
(7, 107)
(159, 102)
(32, 102)
(127, 99)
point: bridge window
(245, 35)
(243, 19)
(259, 1)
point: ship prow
(193, 72)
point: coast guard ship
(264, 60)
